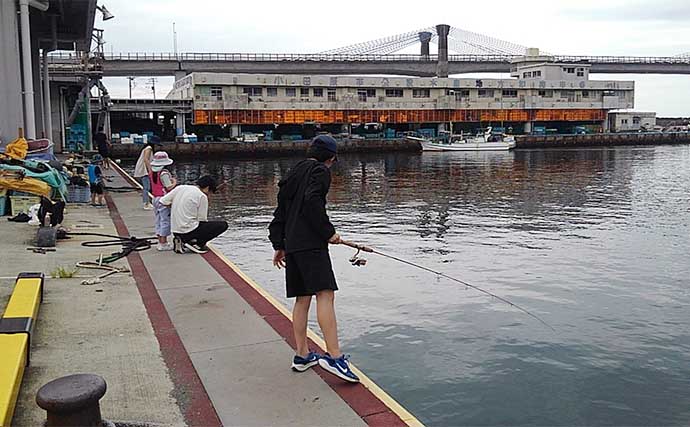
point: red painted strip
(361, 400)
(196, 405)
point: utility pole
(131, 83)
(174, 41)
(152, 80)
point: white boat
(482, 142)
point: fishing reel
(356, 261)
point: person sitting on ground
(189, 212)
(103, 146)
(96, 180)
(162, 182)
(300, 233)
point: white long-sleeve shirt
(189, 205)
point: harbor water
(594, 241)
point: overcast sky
(585, 27)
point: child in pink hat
(161, 183)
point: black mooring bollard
(72, 400)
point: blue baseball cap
(326, 142)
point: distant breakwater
(297, 148)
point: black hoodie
(300, 221)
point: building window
(537, 73)
(546, 93)
(461, 94)
(290, 92)
(580, 72)
(569, 70)
(394, 93)
(509, 93)
(271, 91)
(527, 75)
(486, 93)
(363, 94)
(636, 120)
(585, 94)
(624, 121)
(421, 93)
(304, 92)
(331, 95)
(217, 92)
(318, 92)
(253, 91)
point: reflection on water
(595, 241)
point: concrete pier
(181, 340)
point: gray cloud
(677, 11)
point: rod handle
(356, 246)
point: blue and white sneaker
(338, 367)
(301, 364)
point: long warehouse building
(541, 92)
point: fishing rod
(360, 262)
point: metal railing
(62, 57)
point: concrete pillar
(442, 67)
(425, 38)
(605, 127)
(528, 127)
(179, 124)
(11, 103)
(180, 75)
(29, 110)
(47, 119)
(38, 87)
(235, 130)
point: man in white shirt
(188, 216)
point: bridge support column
(442, 67)
(179, 124)
(605, 126)
(528, 127)
(235, 130)
(425, 38)
(180, 75)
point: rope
(129, 244)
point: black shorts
(309, 272)
(97, 188)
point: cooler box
(23, 203)
(3, 202)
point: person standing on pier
(143, 169)
(162, 182)
(103, 146)
(300, 233)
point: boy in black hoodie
(300, 233)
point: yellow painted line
(25, 299)
(384, 397)
(13, 351)
(377, 391)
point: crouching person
(189, 216)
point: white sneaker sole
(302, 368)
(328, 368)
(194, 249)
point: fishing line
(358, 261)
